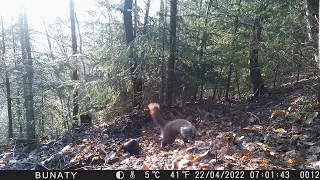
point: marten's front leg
(185, 140)
(168, 136)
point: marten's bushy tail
(156, 114)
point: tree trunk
(139, 83)
(228, 80)
(41, 123)
(136, 73)
(9, 106)
(127, 17)
(298, 72)
(135, 19)
(163, 75)
(313, 31)
(80, 37)
(31, 125)
(173, 50)
(236, 25)
(24, 58)
(197, 66)
(48, 40)
(237, 81)
(41, 128)
(144, 31)
(28, 78)
(312, 25)
(18, 89)
(255, 74)
(75, 71)
(19, 114)
(202, 48)
(318, 52)
(10, 130)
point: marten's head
(189, 132)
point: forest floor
(281, 130)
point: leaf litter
(278, 131)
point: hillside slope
(280, 130)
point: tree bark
(236, 25)
(9, 105)
(197, 66)
(136, 73)
(28, 78)
(48, 40)
(135, 19)
(173, 50)
(312, 25)
(318, 51)
(163, 8)
(18, 89)
(79, 34)
(202, 48)
(145, 24)
(31, 126)
(255, 74)
(237, 81)
(75, 71)
(313, 32)
(127, 18)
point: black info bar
(159, 174)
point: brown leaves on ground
(279, 131)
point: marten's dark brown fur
(170, 130)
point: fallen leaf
(295, 132)
(212, 153)
(76, 158)
(197, 158)
(311, 117)
(289, 161)
(310, 143)
(205, 167)
(295, 157)
(314, 149)
(257, 127)
(153, 142)
(184, 163)
(225, 148)
(4, 162)
(246, 151)
(275, 154)
(96, 158)
(280, 130)
(248, 129)
(205, 153)
(205, 137)
(244, 158)
(298, 117)
(299, 101)
(88, 155)
(229, 137)
(270, 153)
(277, 113)
(66, 149)
(178, 159)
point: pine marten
(170, 130)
